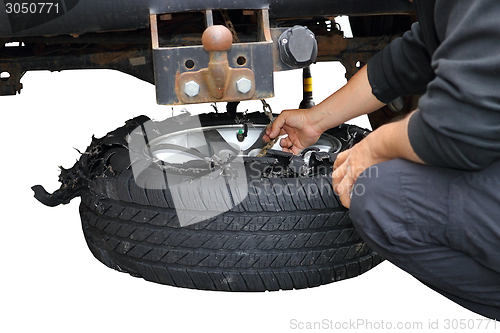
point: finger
(285, 143)
(266, 137)
(341, 158)
(277, 125)
(292, 149)
(343, 184)
(338, 174)
(268, 129)
(284, 130)
(345, 190)
(295, 150)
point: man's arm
(402, 68)
(305, 126)
(378, 83)
(458, 125)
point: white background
(50, 282)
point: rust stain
(331, 45)
(110, 58)
(177, 88)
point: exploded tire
(238, 223)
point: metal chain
(269, 113)
(229, 25)
(267, 109)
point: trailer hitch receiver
(218, 81)
(218, 70)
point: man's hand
(386, 143)
(349, 165)
(305, 126)
(302, 132)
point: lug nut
(244, 85)
(191, 89)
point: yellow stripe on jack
(308, 84)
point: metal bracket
(11, 84)
(197, 74)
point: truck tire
(263, 241)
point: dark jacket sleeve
(402, 68)
(458, 122)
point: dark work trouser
(440, 225)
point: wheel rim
(221, 141)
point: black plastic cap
(298, 47)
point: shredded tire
(265, 241)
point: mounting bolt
(244, 85)
(191, 89)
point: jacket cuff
(419, 133)
(378, 81)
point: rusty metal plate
(171, 63)
(231, 92)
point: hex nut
(191, 88)
(244, 85)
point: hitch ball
(217, 38)
(298, 47)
